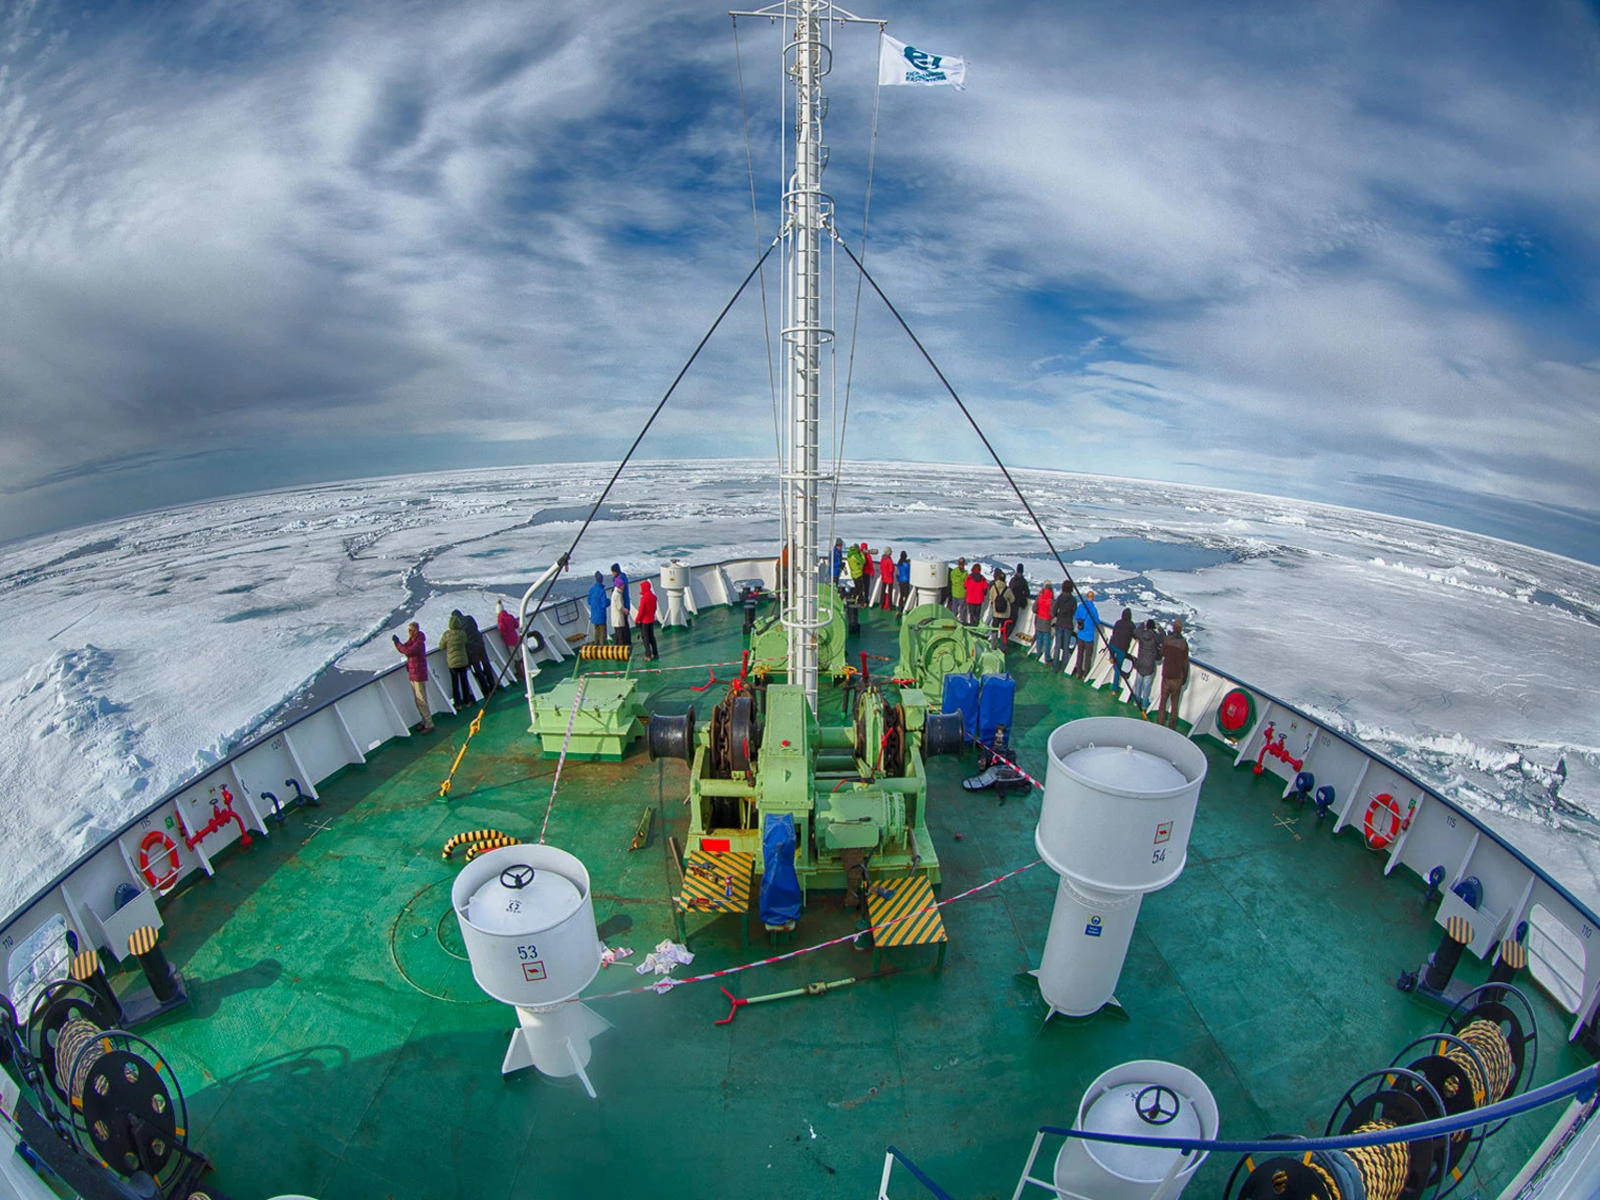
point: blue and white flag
(900, 63)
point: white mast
(805, 210)
(807, 213)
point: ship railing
(1581, 1086)
(893, 1156)
(1515, 889)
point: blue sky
(1346, 251)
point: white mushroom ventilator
(1119, 802)
(527, 919)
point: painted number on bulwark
(1163, 832)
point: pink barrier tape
(659, 670)
(667, 983)
(572, 719)
(1012, 763)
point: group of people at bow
(614, 616)
(1067, 628)
(464, 654)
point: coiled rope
(72, 1063)
(1489, 1040)
(1483, 1055)
(1383, 1169)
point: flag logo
(899, 63)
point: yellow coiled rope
(493, 843)
(1489, 1041)
(1383, 1168)
(75, 1037)
(1491, 1053)
(466, 839)
(1327, 1179)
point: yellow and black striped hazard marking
(467, 839)
(494, 843)
(142, 940)
(902, 913)
(716, 882)
(1459, 929)
(1514, 954)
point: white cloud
(1198, 243)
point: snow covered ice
(141, 649)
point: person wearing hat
(1066, 603)
(599, 603)
(453, 641)
(507, 624)
(1148, 637)
(1174, 673)
(415, 649)
(1087, 619)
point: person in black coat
(477, 655)
(1062, 617)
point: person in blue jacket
(619, 579)
(902, 576)
(599, 602)
(1088, 622)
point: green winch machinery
(769, 640)
(934, 644)
(856, 789)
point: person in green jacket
(453, 641)
(958, 589)
(856, 561)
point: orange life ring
(1383, 802)
(155, 838)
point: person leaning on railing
(415, 649)
(1174, 672)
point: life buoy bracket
(1379, 839)
(159, 842)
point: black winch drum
(671, 737)
(943, 733)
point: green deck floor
(338, 1047)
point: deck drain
(426, 948)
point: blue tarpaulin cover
(961, 695)
(995, 704)
(780, 887)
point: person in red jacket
(869, 575)
(1043, 612)
(977, 590)
(886, 574)
(644, 617)
(508, 634)
(415, 648)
